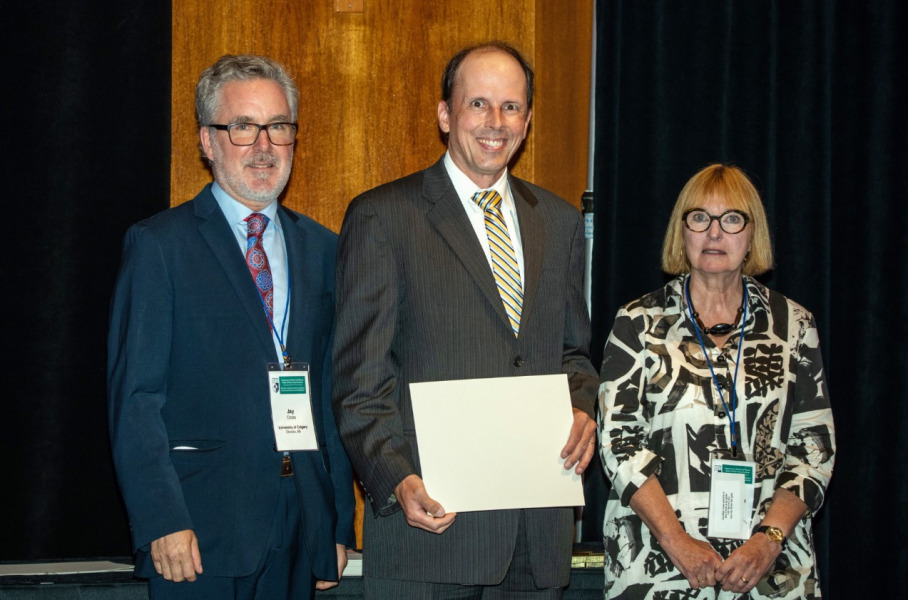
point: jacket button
(720, 414)
(518, 362)
(720, 359)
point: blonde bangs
(737, 192)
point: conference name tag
(291, 407)
(731, 492)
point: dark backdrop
(87, 88)
(809, 98)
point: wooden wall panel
(369, 86)
(562, 61)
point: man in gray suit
(460, 271)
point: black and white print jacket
(660, 412)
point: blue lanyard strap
(734, 386)
(280, 335)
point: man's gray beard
(239, 185)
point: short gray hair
(243, 67)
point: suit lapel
(532, 236)
(215, 230)
(451, 222)
(296, 264)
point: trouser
(284, 572)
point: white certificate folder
(488, 444)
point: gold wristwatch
(773, 533)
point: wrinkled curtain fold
(88, 138)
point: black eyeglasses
(245, 134)
(731, 221)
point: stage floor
(112, 579)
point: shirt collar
(236, 212)
(465, 187)
(757, 294)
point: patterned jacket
(660, 412)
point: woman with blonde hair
(715, 426)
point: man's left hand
(341, 564)
(581, 444)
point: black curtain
(809, 98)
(88, 135)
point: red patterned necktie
(257, 260)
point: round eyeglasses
(245, 134)
(731, 221)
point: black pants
(516, 585)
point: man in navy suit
(213, 298)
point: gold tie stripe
(504, 259)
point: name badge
(731, 493)
(291, 407)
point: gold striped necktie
(504, 259)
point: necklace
(732, 418)
(718, 328)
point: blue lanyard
(280, 335)
(734, 385)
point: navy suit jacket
(187, 354)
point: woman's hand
(748, 563)
(696, 559)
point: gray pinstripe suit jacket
(417, 302)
